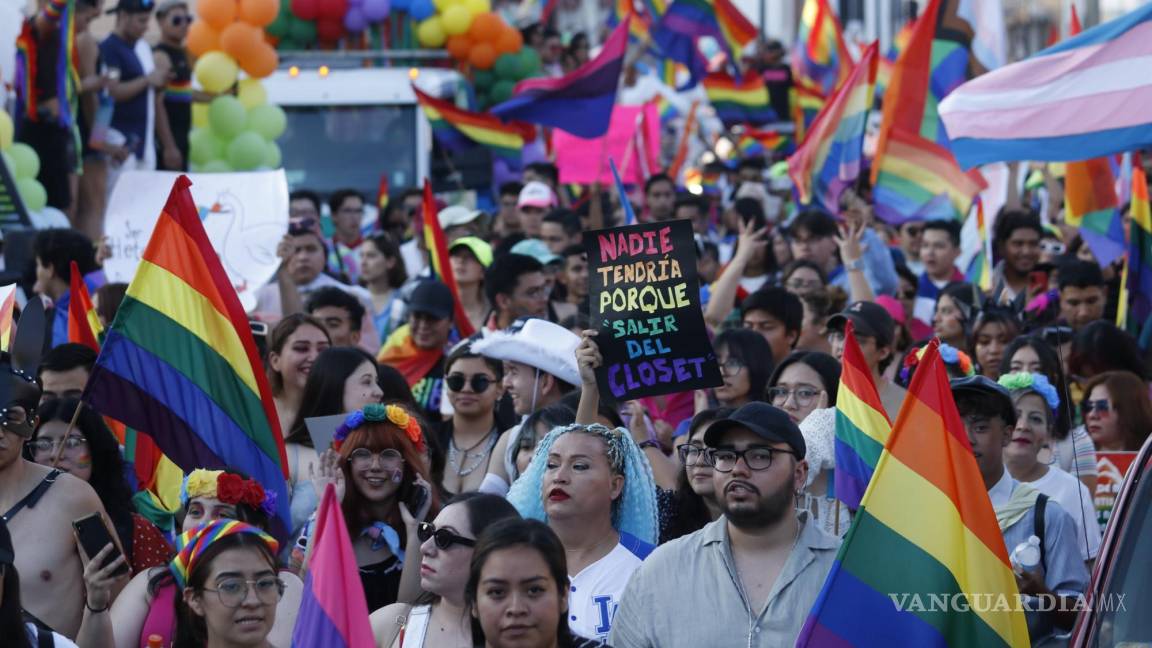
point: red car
(1119, 610)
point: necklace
(463, 467)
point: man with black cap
(748, 578)
(417, 349)
(875, 331)
(1050, 590)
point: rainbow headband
(193, 544)
(375, 413)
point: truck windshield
(1123, 605)
(326, 148)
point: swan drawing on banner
(245, 246)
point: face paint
(397, 476)
(84, 461)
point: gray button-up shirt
(687, 593)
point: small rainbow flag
(888, 61)
(685, 21)
(820, 58)
(437, 245)
(980, 268)
(7, 313)
(807, 102)
(754, 142)
(832, 153)
(1090, 203)
(83, 323)
(862, 426)
(457, 129)
(739, 101)
(924, 530)
(1136, 289)
(638, 28)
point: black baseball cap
(133, 6)
(985, 385)
(869, 318)
(432, 298)
(763, 420)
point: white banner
(245, 215)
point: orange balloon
(202, 39)
(509, 40)
(482, 56)
(239, 40)
(459, 46)
(261, 62)
(218, 13)
(259, 13)
(485, 27)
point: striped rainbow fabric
(832, 154)
(1136, 289)
(980, 268)
(685, 21)
(457, 129)
(437, 245)
(925, 528)
(1091, 203)
(807, 101)
(862, 426)
(1085, 97)
(7, 311)
(820, 58)
(83, 323)
(754, 142)
(739, 101)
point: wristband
(94, 610)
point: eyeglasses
(731, 366)
(44, 446)
(478, 382)
(233, 591)
(1101, 406)
(443, 537)
(691, 455)
(801, 284)
(755, 458)
(802, 396)
(1052, 247)
(364, 458)
(181, 20)
(913, 230)
(762, 325)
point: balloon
(507, 67)
(202, 39)
(262, 61)
(430, 32)
(217, 13)
(482, 57)
(239, 40)
(216, 166)
(422, 9)
(246, 152)
(203, 146)
(289, 44)
(478, 6)
(329, 30)
(442, 5)
(199, 115)
(251, 93)
(529, 60)
(456, 20)
(259, 13)
(485, 27)
(401, 5)
(306, 9)
(279, 26)
(32, 193)
(483, 78)
(376, 10)
(501, 90)
(6, 130)
(226, 116)
(267, 120)
(303, 31)
(333, 9)
(25, 162)
(215, 71)
(509, 40)
(459, 46)
(354, 20)
(272, 155)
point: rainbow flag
(7, 311)
(761, 143)
(639, 26)
(862, 426)
(180, 361)
(820, 58)
(1136, 289)
(83, 323)
(807, 102)
(1090, 203)
(980, 268)
(888, 62)
(437, 245)
(832, 154)
(739, 101)
(924, 529)
(457, 129)
(333, 612)
(686, 21)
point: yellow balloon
(442, 5)
(6, 130)
(251, 93)
(478, 6)
(430, 33)
(200, 115)
(456, 20)
(216, 71)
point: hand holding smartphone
(94, 536)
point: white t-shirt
(1072, 495)
(594, 593)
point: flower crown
(375, 413)
(1033, 381)
(229, 488)
(951, 356)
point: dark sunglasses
(1100, 406)
(443, 537)
(181, 20)
(479, 382)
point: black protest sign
(645, 301)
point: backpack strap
(30, 500)
(1038, 528)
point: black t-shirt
(178, 95)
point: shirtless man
(48, 556)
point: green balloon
(32, 193)
(529, 60)
(246, 151)
(204, 146)
(268, 120)
(288, 44)
(507, 67)
(483, 78)
(216, 166)
(25, 162)
(272, 156)
(302, 31)
(280, 26)
(501, 91)
(227, 116)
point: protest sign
(580, 160)
(245, 215)
(645, 301)
(1110, 470)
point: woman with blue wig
(593, 486)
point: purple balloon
(376, 10)
(354, 20)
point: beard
(764, 512)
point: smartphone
(94, 536)
(417, 499)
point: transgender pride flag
(1085, 97)
(333, 613)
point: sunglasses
(443, 537)
(1101, 406)
(479, 382)
(181, 20)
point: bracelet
(94, 610)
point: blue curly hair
(634, 512)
